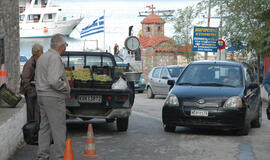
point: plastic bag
(30, 132)
(120, 84)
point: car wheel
(169, 128)
(110, 120)
(150, 93)
(244, 131)
(122, 124)
(258, 121)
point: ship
(42, 19)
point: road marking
(245, 152)
(145, 115)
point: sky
(119, 15)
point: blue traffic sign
(205, 39)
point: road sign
(221, 44)
(205, 39)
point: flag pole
(104, 32)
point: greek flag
(96, 27)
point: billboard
(205, 39)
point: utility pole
(208, 25)
(220, 29)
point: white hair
(36, 48)
(57, 40)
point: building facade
(156, 48)
(10, 41)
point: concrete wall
(152, 59)
(11, 123)
(9, 29)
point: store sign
(205, 39)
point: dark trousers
(32, 108)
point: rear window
(202, 74)
(175, 71)
(76, 61)
(88, 61)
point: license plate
(90, 99)
(199, 113)
(136, 85)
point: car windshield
(175, 71)
(212, 75)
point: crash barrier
(68, 155)
(90, 149)
(8, 96)
(3, 75)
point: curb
(11, 124)
(264, 94)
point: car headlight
(233, 102)
(172, 100)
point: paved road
(146, 140)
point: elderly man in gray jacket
(52, 88)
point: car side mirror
(165, 77)
(170, 82)
(252, 85)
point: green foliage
(183, 26)
(244, 23)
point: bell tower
(152, 25)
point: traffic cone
(3, 75)
(90, 149)
(68, 155)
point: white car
(23, 60)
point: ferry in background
(41, 19)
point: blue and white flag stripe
(97, 26)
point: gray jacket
(50, 76)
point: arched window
(159, 29)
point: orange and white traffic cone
(68, 151)
(3, 75)
(90, 150)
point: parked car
(158, 77)
(208, 95)
(140, 84)
(23, 60)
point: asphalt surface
(146, 140)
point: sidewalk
(11, 123)
(264, 94)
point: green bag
(8, 96)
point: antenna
(161, 13)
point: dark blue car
(214, 94)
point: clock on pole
(132, 43)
